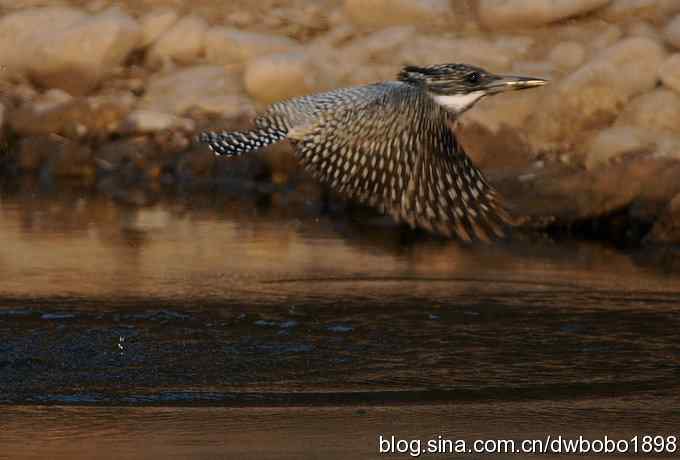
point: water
(212, 326)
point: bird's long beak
(512, 82)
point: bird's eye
(473, 77)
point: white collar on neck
(458, 103)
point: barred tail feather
(240, 142)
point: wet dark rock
(199, 161)
(77, 118)
(667, 227)
(570, 193)
(59, 155)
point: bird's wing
(396, 151)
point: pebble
(208, 88)
(496, 14)
(149, 121)
(227, 45)
(155, 23)
(183, 42)
(669, 72)
(384, 13)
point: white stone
(596, 92)
(149, 121)
(89, 49)
(226, 45)
(50, 99)
(521, 13)
(567, 55)
(670, 72)
(615, 141)
(184, 42)
(207, 88)
(672, 31)
(280, 76)
(155, 23)
(382, 13)
(657, 111)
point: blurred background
(137, 269)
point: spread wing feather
(395, 151)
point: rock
(567, 55)
(496, 14)
(569, 194)
(616, 141)
(147, 121)
(494, 55)
(60, 156)
(656, 112)
(2, 119)
(623, 9)
(22, 32)
(279, 76)
(672, 31)
(95, 117)
(155, 23)
(382, 13)
(670, 72)
(49, 100)
(667, 228)
(226, 45)
(183, 42)
(607, 36)
(59, 60)
(197, 162)
(210, 89)
(508, 110)
(594, 95)
(644, 29)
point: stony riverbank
(114, 92)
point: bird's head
(457, 87)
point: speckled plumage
(388, 145)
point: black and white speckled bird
(389, 145)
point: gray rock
(226, 45)
(382, 13)
(155, 23)
(496, 14)
(670, 72)
(210, 89)
(183, 42)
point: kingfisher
(390, 145)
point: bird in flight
(389, 145)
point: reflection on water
(272, 316)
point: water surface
(209, 325)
